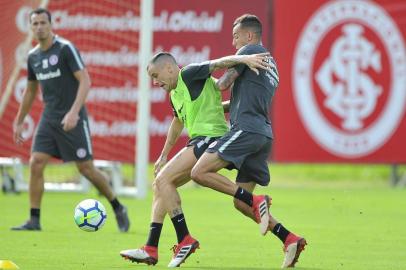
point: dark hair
(40, 11)
(249, 21)
(163, 56)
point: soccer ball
(90, 215)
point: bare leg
(205, 174)
(243, 207)
(158, 211)
(272, 222)
(246, 210)
(38, 161)
(96, 177)
(167, 200)
(174, 174)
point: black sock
(244, 196)
(115, 204)
(35, 214)
(281, 232)
(179, 223)
(154, 234)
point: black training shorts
(200, 144)
(248, 152)
(72, 145)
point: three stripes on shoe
(263, 209)
(183, 251)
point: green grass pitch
(348, 225)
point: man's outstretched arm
(253, 61)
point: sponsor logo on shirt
(49, 75)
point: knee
(37, 164)
(155, 187)
(86, 170)
(159, 184)
(198, 176)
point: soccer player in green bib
(197, 107)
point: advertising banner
(342, 66)
(107, 35)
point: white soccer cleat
(260, 206)
(294, 245)
(183, 250)
(146, 254)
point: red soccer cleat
(145, 254)
(260, 206)
(183, 250)
(294, 245)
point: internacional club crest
(349, 77)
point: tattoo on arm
(227, 79)
(224, 62)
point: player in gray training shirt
(248, 143)
(63, 131)
(252, 95)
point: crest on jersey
(81, 153)
(349, 77)
(53, 60)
